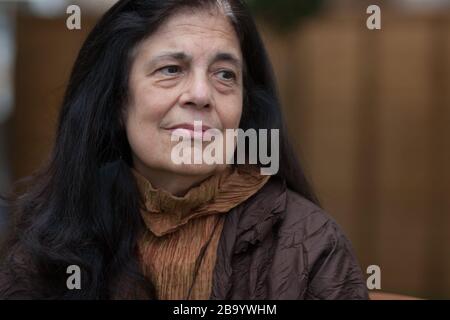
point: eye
(170, 70)
(227, 75)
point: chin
(196, 169)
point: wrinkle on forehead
(184, 18)
(213, 25)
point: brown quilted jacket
(278, 245)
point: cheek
(143, 120)
(230, 111)
(148, 144)
(148, 108)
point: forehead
(195, 32)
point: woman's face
(189, 70)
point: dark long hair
(82, 208)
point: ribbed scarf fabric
(179, 228)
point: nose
(197, 93)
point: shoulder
(307, 238)
(328, 256)
(311, 226)
(292, 212)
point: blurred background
(368, 111)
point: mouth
(196, 131)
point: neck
(176, 184)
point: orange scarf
(180, 228)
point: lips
(188, 129)
(188, 126)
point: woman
(114, 203)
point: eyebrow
(181, 56)
(172, 55)
(228, 57)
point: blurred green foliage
(285, 14)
